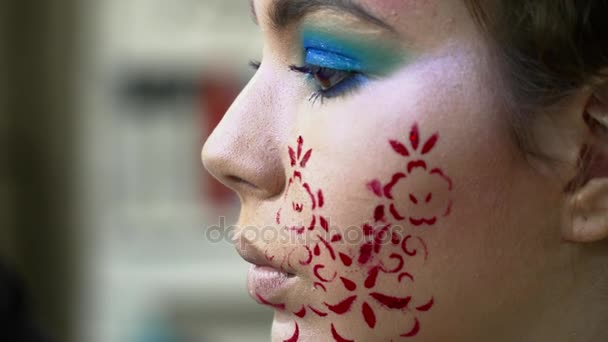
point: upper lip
(253, 255)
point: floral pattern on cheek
(301, 201)
(421, 208)
(360, 272)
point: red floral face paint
(416, 197)
(302, 202)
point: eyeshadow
(353, 52)
(332, 60)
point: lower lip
(267, 284)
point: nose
(243, 152)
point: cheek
(368, 198)
(361, 245)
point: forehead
(422, 19)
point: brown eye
(328, 78)
(330, 82)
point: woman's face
(383, 195)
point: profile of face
(384, 197)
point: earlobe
(586, 218)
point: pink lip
(268, 286)
(267, 283)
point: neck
(576, 309)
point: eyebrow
(285, 12)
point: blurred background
(105, 208)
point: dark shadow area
(36, 173)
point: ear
(588, 213)
(587, 204)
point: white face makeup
(391, 200)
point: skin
(504, 265)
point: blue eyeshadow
(328, 59)
(348, 53)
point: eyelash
(338, 82)
(347, 81)
(255, 65)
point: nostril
(238, 181)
